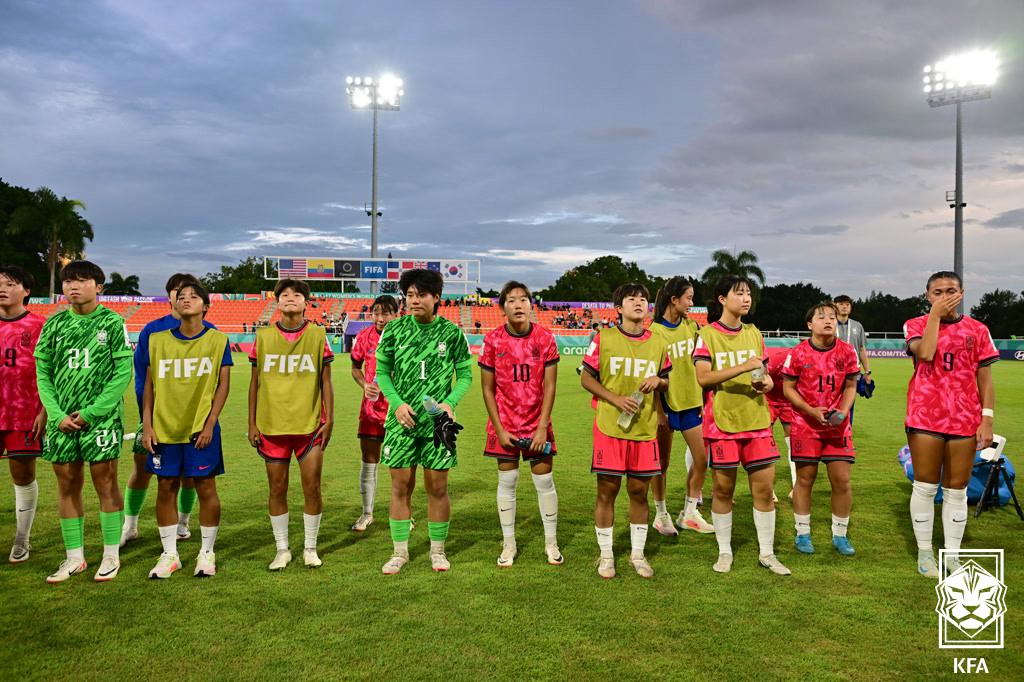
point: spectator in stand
(244, 330)
(477, 326)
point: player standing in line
(780, 409)
(681, 407)
(519, 372)
(22, 417)
(729, 359)
(83, 366)
(623, 366)
(373, 408)
(138, 482)
(188, 375)
(950, 408)
(417, 356)
(291, 411)
(821, 383)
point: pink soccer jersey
(820, 380)
(19, 397)
(518, 364)
(774, 368)
(364, 355)
(711, 431)
(943, 394)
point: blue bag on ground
(979, 477)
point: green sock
(72, 529)
(81, 529)
(133, 501)
(437, 530)
(186, 499)
(110, 525)
(400, 529)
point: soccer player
(729, 359)
(373, 408)
(22, 417)
(623, 366)
(950, 408)
(681, 407)
(291, 412)
(138, 482)
(820, 381)
(518, 373)
(188, 374)
(83, 366)
(417, 356)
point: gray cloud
(1013, 219)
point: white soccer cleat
(281, 560)
(206, 565)
(108, 569)
(19, 551)
(129, 534)
(555, 557)
(695, 522)
(508, 554)
(394, 564)
(926, 564)
(183, 532)
(643, 568)
(166, 566)
(724, 563)
(774, 565)
(775, 498)
(663, 524)
(67, 568)
(311, 558)
(363, 522)
(439, 562)
(606, 567)
(952, 563)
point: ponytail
(674, 288)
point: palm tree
(725, 262)
(57, 222)
(122, 286)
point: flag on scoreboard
(320, 268)
(455, 270)
(434, 265)
(414, 265)
(292, 267)
(394, 269)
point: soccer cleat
(183, 532)
(775, 498)
(67, 568)
(555, 557)
(281, 560)
(663, 524)
(394, 564)
(168, 564)
(206, 565)
(773, 565)
(19, 551)
(108, 569)
(952, 563)
(926, 563)
(843, 546)
(606, 567)
(803, 544)
(129, 534)
(724, 563)
(311, 558)
(694, 521)
(439, 562)
(363, 522)
(508, 554)
(643, 568)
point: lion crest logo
(971, 599)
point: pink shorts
(492, 448)
(19, 444)
(750, 452)
(281, 448)
(370, 429)
(781, 411)
(832, 449)
(620, 457)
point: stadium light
(954, 80)
(379, 94)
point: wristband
(988, 412)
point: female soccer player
(681, 407)
(730, 363)
(820, 381)
(950, 407)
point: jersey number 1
(423, 370)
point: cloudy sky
(533, 135)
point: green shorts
(97, 443)
(401, 450)
(137, 447)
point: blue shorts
(684, 420)
(184, 459)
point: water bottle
(375, 383)
(835, 417)
(626, 419)
(431, 406)
(524, 444)
(757, 375)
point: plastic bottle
(626, 419)
(431, 406)
(378, 389)
(757, 374)
(524, 444)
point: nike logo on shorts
(203, 468)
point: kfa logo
(184, 368)
(971, 599)
(288, 364)
(632, 367)
(442, 349)
(101, 337)
(26, 339)
(733, 358)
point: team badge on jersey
(970, 342)
(101, 337)
(442, 349)
(536, 353)
(26, 339)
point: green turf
(867, 617)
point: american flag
(292, 267)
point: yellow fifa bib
(185, 375)
(289, 372)
(624, 364)
(683, 390)
(738, 408)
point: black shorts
(947, 437)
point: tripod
(990, 497)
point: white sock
(723, 531)
(169, 539)
(954, 516)
(436, 546)
(183, 519)
(659, 507)
(604, 541)
(25, 497)
(130, 523)
(368, 485)
(803, 523)
(689, 462)
(840, 524)
(547, 500)
(792, 464)
(209, 534)
(402, 548)
(77, 555)
(279, 524)
(507, 481)
(311, 524)
(690, 506)
(922, 512)
(637, 538)
(764, 522)
(112, 550)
